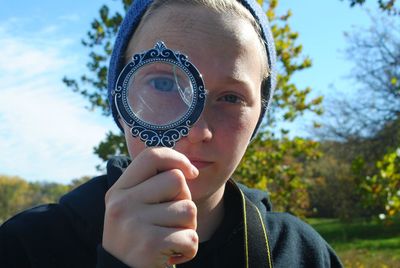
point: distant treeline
(16, 194)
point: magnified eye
(160, 94)
(164, 84)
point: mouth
(199, 164)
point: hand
(150, 218)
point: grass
(361, 243)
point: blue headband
(130, 23)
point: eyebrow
(243, 83)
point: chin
(202, 189)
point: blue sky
(46, 133)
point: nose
(200, 131)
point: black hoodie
(69, 234)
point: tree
(376, 56)
(375, 53)
(385, 5)
(45, 192)
(280, 165)
(368, 126)
(382, 190)
(379, 175)
(289, 101)
(13, 196)
(16, 194)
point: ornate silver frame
(160, 135)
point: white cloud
(24, 59)
(45, 133)
(70, 17)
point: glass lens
(160, 93)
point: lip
(198, 163)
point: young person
(163, 207)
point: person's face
(226, 50)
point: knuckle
(192, 244)
(114, 211)
(187, 214)
(194, 238)
(178, 174)
(115, 208)
(177, 178)
(108, 195)
(190, 208)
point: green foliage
(16, 194)
(375, 170)
(289, 101)
(13, 196)
(280, 167)
(366, 130)
(114, 144)
(45, 192)
(383, 188)
(93, 86)
(358, 177)
(334, 188)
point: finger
(176, 214)
(182, 242)
(177, 259)
(164, 187)
(152, 161)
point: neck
(210, 214)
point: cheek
(237, 125)
(232, 134)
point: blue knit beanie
(130, 23)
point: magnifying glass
(160, 94)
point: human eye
(231, 98)
(162, 83)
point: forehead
(222, 46)
(189, 26)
